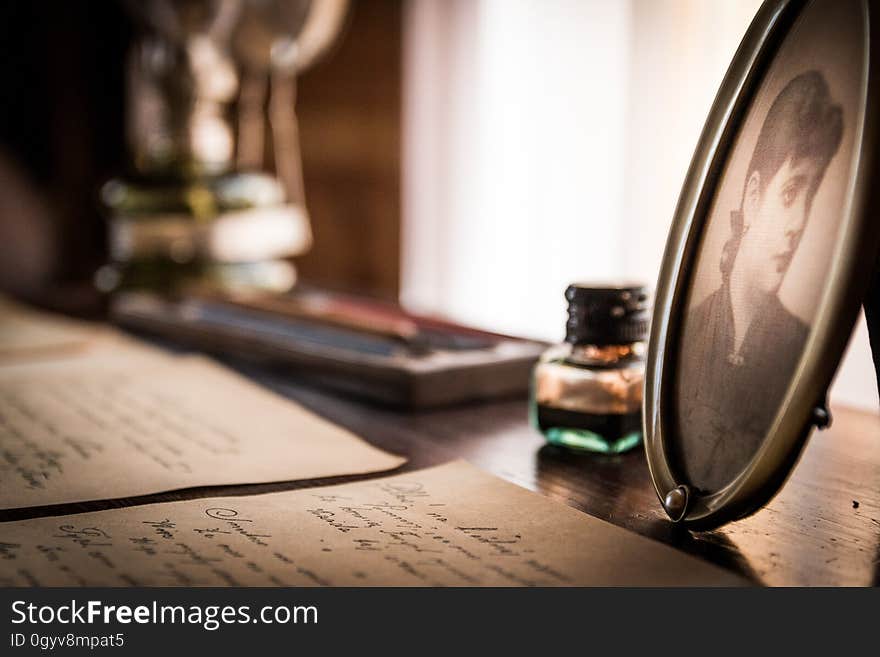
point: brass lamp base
(225, 233)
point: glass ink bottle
(586, 393)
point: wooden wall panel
(349, 111)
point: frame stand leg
(871, 304)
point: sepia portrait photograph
(767, 246)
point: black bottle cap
(606, 314)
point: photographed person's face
(774, 218)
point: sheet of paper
(108, 427)
(27, 332)
(33, 339)
(450, 525)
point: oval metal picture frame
(848, 280)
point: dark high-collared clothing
(727, 399)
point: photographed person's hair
(802, 123)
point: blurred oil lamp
(207, 81)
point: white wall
(504, 202)
(546, 142)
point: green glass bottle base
(588, 441)
(604, 433)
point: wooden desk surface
(822, 529)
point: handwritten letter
(451, 525)
(75, 432)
